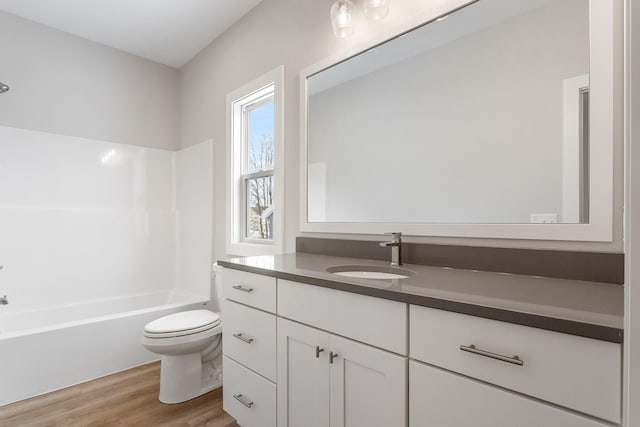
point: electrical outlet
(543, 218)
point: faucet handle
(395, 234)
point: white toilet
(189, 343)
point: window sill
(250, 249)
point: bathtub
(48, 349)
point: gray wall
(295, 33)
(298, 34)
(67, 85)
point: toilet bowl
(188, 342)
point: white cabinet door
(440, 398)
(368, 386)
(303, 376)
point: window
(254, 212)
(257, 168)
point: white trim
(274, 77)
(600, 228)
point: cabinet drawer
(579, 373)
(441, 398)
(375, 321)
(250, 289)
(248, 397)
(249, 338)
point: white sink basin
(371, 272)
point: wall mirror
(491, 121)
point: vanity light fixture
(376, 9)
(342, 17)
(343, 14)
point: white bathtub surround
(83, 219)
(194, 203)
(54, 351)
(88, 222)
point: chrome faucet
(396, 248)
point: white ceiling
(167, 31)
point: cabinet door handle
(318, 351)
(242, 288)
(332, 356)
(473, 349)
(241, 337)
(246, 402)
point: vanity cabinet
(338, 359)
(341, 358)
(300, 355)
(578, 373)
(326, 380)
(249, 347)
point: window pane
(260, 131)
(259, 208)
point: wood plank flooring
(125, 399)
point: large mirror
(483, 116)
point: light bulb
(376, 9)
(342, 18)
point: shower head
(3, 88)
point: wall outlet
(543, 218)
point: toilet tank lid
(182, 321)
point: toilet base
(181, 378)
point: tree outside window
(259, 169)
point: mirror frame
(600, 227)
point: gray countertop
(589, 309)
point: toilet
(189, 343)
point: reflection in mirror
(481, 117)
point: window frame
(259, 90)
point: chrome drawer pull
(246, 402)
(243, 338)
(318, 351)
(242, 288)
(472, 349)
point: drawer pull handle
(473, 349)
(243, 338)
(246, 402)
(242, 288)
(332, 356)
(318, 351)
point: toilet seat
(183, 323)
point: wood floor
(125, 399)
